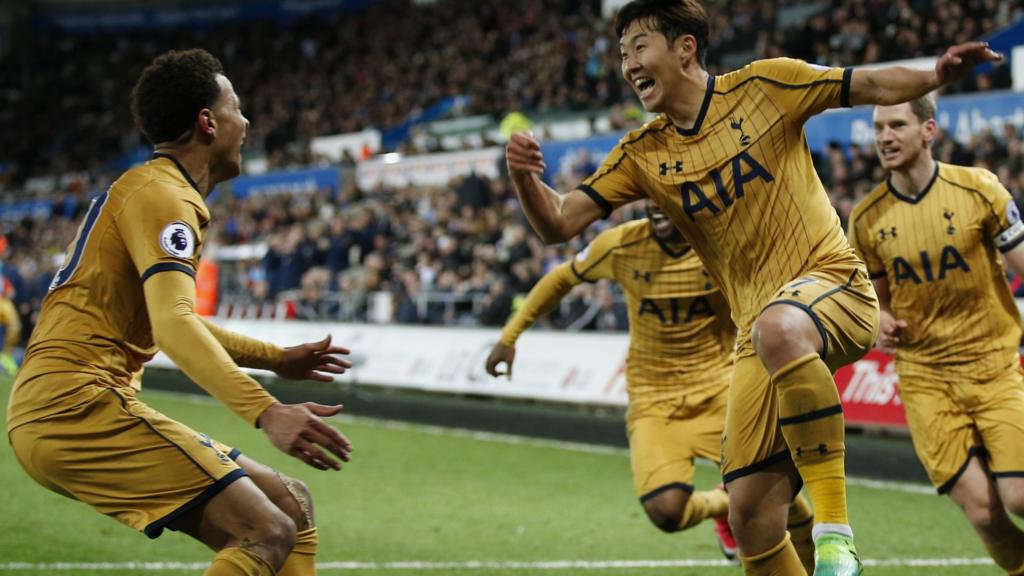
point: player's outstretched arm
(309, 361)
(543, 298)
(897, 84)
(556, 217)
(296, 429)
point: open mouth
(644, 86)
(889, 154)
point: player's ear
(206, 122)
(930, 129)
(686, 48)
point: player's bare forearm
(890, 86)
(542, 206)
(896, 84)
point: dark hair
(673, 18)
(172, 90)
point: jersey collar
(184, 172)
(920, 196)
(703, 109)
(668, 249)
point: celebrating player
(677, 372)
(126, 290)
(728, 162)
(930, 235)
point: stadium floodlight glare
(392, 158)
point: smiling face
(652, 67)
(662, 227)
(901, 138)
(231, 126)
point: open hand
(313, 361)
(962, 58)
(298, 430)
(523, 155)
(501, 353)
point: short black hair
(172, 90)
(673, 18)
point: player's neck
(912, 180)
(684, 110)
(194, 161)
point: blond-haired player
(931, 236)
(127, 289)
(728, 162)
(681, 340)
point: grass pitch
(420, 500)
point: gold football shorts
(666, 436)
(952, 420)
(842, 303)
(126, 460)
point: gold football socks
(238, 562)
(811, 418)
(302, 559)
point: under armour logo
(883, 233)
(738, 125)
(678, 167)
(949, 219)
(637, 275)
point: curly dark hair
(172, 90)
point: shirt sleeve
(860, 241)
(160, 231)
(543, 298)
(616, 182)
(1002, 223)
(803, 89)
(595, 262)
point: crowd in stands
(455, 254)
(343, 72)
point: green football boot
(835, 555)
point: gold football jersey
(740, 184)
(681, 334)
(93, 329)
(939, 253)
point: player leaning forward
(126, 290)
(931, 235)
(727, 160)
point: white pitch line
(500, 438)
(476, 565)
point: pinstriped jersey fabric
(93, 324)
(681, 335)
(939, 253)
(740, 184)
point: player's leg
(758, 471)
(145, 470)
(788, 342)
(664, 439)
(977, 496)
(758, 508)
(293, 498)
(250, 534)
(815, 325)
(799, 525)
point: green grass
(419, 494)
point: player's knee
(979, 513)
(783, 333)
(300, 506)
(277, 535)
(666, 510)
